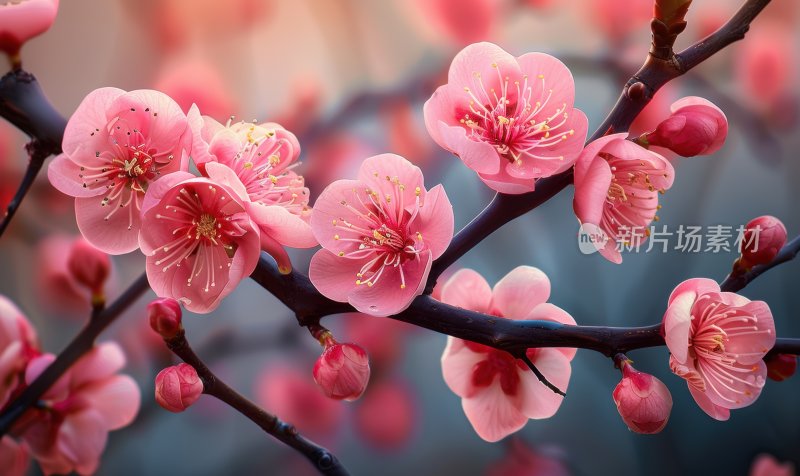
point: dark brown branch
(34, 166)
(734, 283)
(541, 376)
(322, 459)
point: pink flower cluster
(67, 431)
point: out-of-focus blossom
(717, 341)
(178, 387)
(762, 70)
(18, 345)
(14, 458)
(616, 190)
(379, 235)
(198, 238)
(302, 106)
(763, 239)
(89, 266)
(406, 137)
(383, 339)
(696, 127)
(386, 416)
(522, 460)
(499, 393)
(196, 81)
(618, 21)
(509, 119)
(781, 367)
(767, 465)
(460, 21)
(263, 158)
(116, 145)
(165, 315)
(334, 157)
(60, 293)
(342, 371)
(89, 400)
(643, 401)
(22, 20)
(292, 396)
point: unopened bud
(342, 371)
(781, 366)
(643, 401)
(178, 387)
(165, 317)
(763, 239)
(90, 267)
(695, 127)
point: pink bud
(781, 367)
(342, 371)
(763, 239)
(165, 317)
(89, 266)
(643, 401)
(19, 22)
(696, 127)
(178, 387)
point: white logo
(591, 238)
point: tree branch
(734, 283)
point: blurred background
(349, 77)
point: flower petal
(468, 290)
(520, 291)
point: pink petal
(468, 290)
(102, 362)
(14, 458)
(478, 155)
(158, 188)
(503, 182)
(520, 291)
(222, 174)
(750, 347)
(282, 225)
(81, 137)
(551, 312)
(739, 392)
(157, 116)
(328, 215)
(591, 191)
(334, 276)
(440, 108)
(480, 58)
(116, 399)
(381, 172)
(82, 439)
(435, 221)
(115, 236)
(387, 297)
(714, 411)
(611, 253)
(677, 324)
(554, 76)
(458, 362)
(492, 414)
(63, 174)
(589, 153)
(699, 286)
(539, 401)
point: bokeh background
(349, 77)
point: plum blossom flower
(379, 234)
(178, 387)
(717, 341)
(509, 119)
(18, 345)
(387, 415)
(342, 371)
(616, 189)
(196, 81)
(695, 127)
(763, 239)
(499, 393)
(460, 21)
(22, 20)
(115, 145)
(89, 267)
(89, 400)
(643, 401)
(767, 465)
(14, 458)
(198, 238)
(263, 157)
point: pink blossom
(165, 315)
(87, 402)
(18, 345)
(380, 234)
(22, 20)
(386, 416)
(198, 238)
(178, 387)
(643, 401)
(115, 145)
(767, 465)
(383, 339)
(498, 392)
(89, 266)
(521, 460)
(342, 371)
(616, 189)
(763, 239)
(696, 127)
(460, 21)
(717, 341)
(761, 69)
(196, 81)
(617, 23)
(781, 367)
(14, 458)
(509, 119)
(60, 293)
(263, 157)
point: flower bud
(20, 22)
(165, 317)
(643, 401)
(782, 366)
(763, 239)
(89, 266)
(342, 371)
(696, 127)
(178, 387)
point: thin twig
(541, 376)
(734, 283)
(34, 166)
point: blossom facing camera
(165, 316)
(718, 341)
(643, 401)
(22, 20)
(89, 266)
(762, 241)
(781, 367)
(695, 127)
(178, 387)
(379, 234)
(116, 145)
(509, 119)
(616, 189)
(342, 371)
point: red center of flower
(496, 363)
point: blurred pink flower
(196, 81)
(384, 339)
(781, 367)
(263, 158)
(763, 239)
(87, 402)
(717, 341)
(89, 266)
(767, 465)
(178, 387)
(522, 460)
(22, 20)
(643, 401)
(18, 345)
(695, 127)
(198, 238)
(335, 156)
(460, 21)
(616, 21)
(762, 70)
(379, 235)
(60, 293)
(405, 135)
(342, 371)
(498, 392)
(14, 458)
(115, 145)
(386, 416)
(509, 119)
(616, 189)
